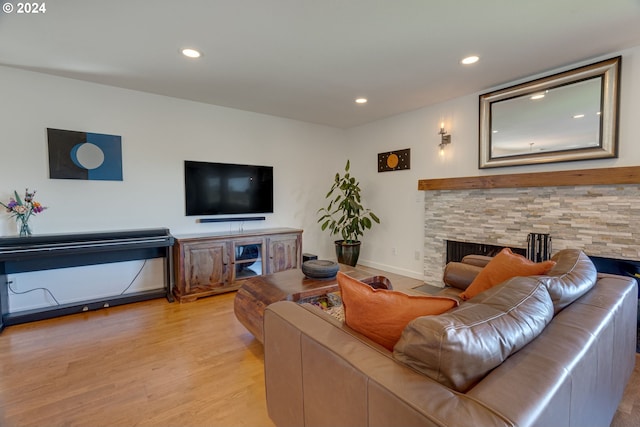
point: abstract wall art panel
(394, 160)
(84, 155)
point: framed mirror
(564, 117)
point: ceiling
(309, 59)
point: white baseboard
(392, 269)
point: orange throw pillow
(381, 314)
(504, 266)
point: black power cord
(134, 278)
(13, 291)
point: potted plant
(346, 216)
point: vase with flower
(23, 209)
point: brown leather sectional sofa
(572, 373)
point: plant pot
(347, 253)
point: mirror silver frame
(607, 147)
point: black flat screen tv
(225, 188)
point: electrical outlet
(416, 255)
(394, 251)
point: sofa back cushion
(572, 276)
(460, 347)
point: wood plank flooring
(150, 364)
(145, 364)
(628, 413)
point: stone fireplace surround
(601, 215)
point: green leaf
(354, 205)
(374, 217)
(366, 222)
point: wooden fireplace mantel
(602, 176)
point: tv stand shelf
(213, 263)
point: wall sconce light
(445, 138)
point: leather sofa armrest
(477, 260)
(460, 275)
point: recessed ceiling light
(361, 100)
(191, 53)
(537, 96)
(470, 60)
(578, 116)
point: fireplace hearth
(600, 220)
(457, 250)
(538, 248)
(621, 267)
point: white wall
(394, 196)
(158, 134)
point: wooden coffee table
(292, 285)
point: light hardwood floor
(145, 364)
(628, 413)
(149, 364)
